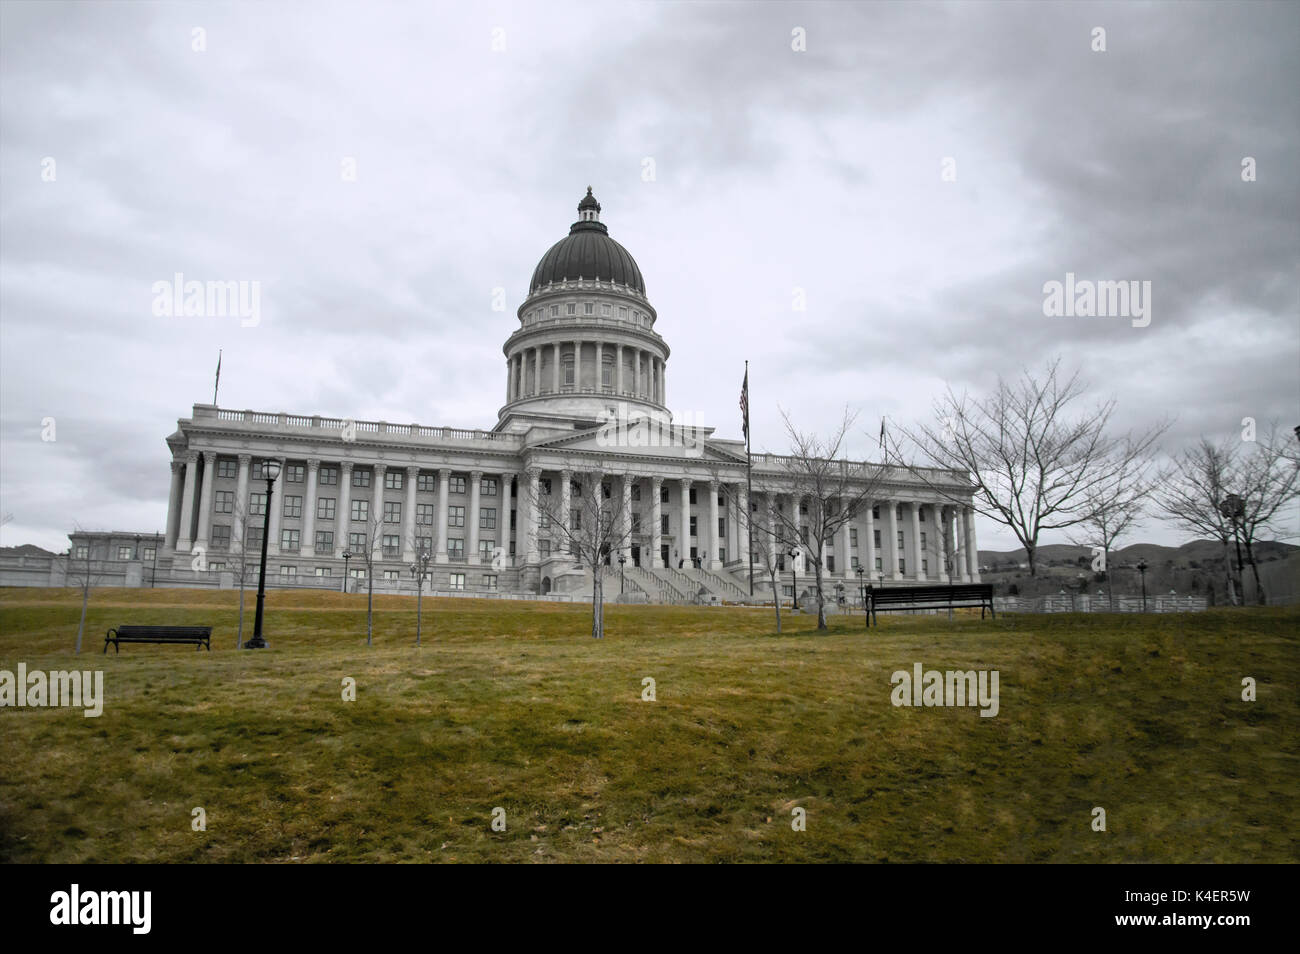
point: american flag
(744, 402)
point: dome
(587, 252)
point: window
(357, 542)
(220, 536)
(324, 541)
(900, 541)
(424, 515)
(604, 490)
(853, 562)
(485, 550)
(124, 553)
(830, 564)
(545, 547)
(256, 504)
(226, 468)
(605, 310)
(289, 539)
(455, 516)
(216, 567)
(361, 510)
(149, 554)
(567, 363)
(902, 565)
(223, 501)
(925, 565)
(663, 494)
(393, 575)
(636, 493)
(544, 520)
(456, 548)
(393, 479)
(544, 485)
(81, 553)
(426, 483)
(555, 311)
(392, 511)
(487, 518)
(457, 485)
(288, 571)
(692, 495)
(293, 506)
(254, 539)
(875, 538)
(923, 546)
(489, 581)
(424, 544)
(898, 512)
(259, 470)
(456, 581)
(636, 522)
(571, 308)
(325, 508)
(692, 533)
(853, 536)
(392, 545)
(663, 523)
(357, 572)
(622, 312)
(329, 476)
(324, 571)
(295, 473)
(875, 512)
(360, 478)
(488, 486)
(722, 554)
(722, 528)
(575, 519)
(607, 370)
(879, 565)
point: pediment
(642, 439)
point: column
(343, 513)
(656, 518)
(555, 371)
(843, 562)
(530, 522)
(409, 551)
(185, 535)
(537, 370)
(600, 366)
(972, 549)
(625, 515)
(309, 508)
(663, 382)
(618, 369)
(444, 488)
(503, 524)
(742, 525)
(475, 488)
(577, 370)
(867, 547)
(173, 505)
(684, 537)
(713, 563)
(636, 374)
(891, 539)
(917, 572)
(275, 509)
(376, 525)
(566, 503)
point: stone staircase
(673, 580)
(723, 587)
(656, 589)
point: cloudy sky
(139, 140)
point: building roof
(587, 252)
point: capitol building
(585, 361)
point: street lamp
(347, 555)
(419, 569)
(1142, 569)
(862, 593)
(794, 578)
(621, 560)
(270, 470)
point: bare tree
(592, 530)
(83, 573)
(370, 554)
(834, 490)
(239, 559)
(767, 544)
(1114, 506)
(1034, 457)
(1232, 493)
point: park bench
(910, 598)
(198, 635)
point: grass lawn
(513, 705)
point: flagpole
(217, 383)
(749, 484)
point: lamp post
(270, 470)
(1142, 569)
(347, 555)
(794, 579)
(621, 560)
(862, 593)
(420, 569)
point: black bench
(910, 598)
(198, 635)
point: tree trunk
(776, 600)
(239, 639)
(81, 627)
(370, 604)
(1229, 577)
(597, 605)
(1030, 551)
(1254, 569)
(821, 599)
